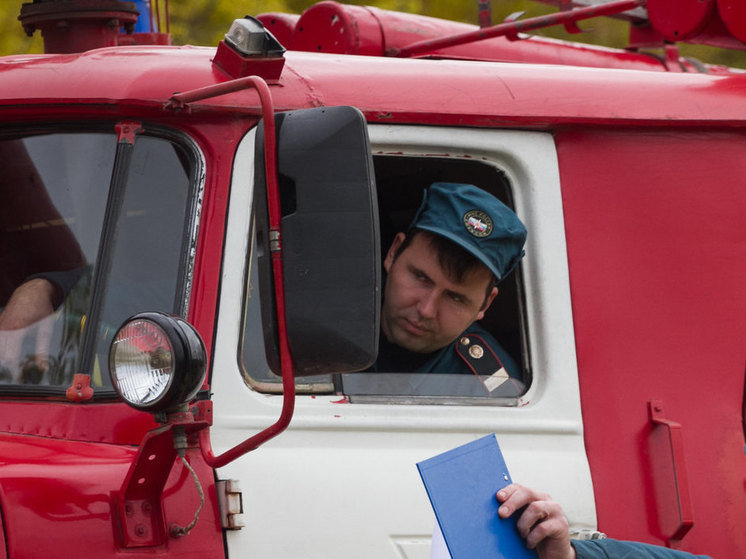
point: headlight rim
(188, 362)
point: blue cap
(476, 221)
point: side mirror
(325, 229)
(330, 242)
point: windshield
(54, 193)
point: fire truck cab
(191, 242)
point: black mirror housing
(330, 241)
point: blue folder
(461, 485)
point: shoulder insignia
(482, 361)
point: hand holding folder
(462, 484)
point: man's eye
(456, 298)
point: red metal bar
(514, 27)
(570, 26)
(180, 101)
(485, 13)
(168, 21)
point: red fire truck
(190, 241)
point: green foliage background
(203, 22)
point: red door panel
(656, 234)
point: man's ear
(487, 302)
(391, 254)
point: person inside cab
(442, 274)
(40, 263)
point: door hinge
(230, 502)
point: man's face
(423, 308)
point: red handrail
(180, 101)
(512, 28)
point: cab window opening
(401, 181)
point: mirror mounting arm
(273, 197)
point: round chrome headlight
(157, 361)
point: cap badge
(478, 223)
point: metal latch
(230, 502)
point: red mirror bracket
(180, 101)
(137, 510)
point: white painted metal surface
(342, 481)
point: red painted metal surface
(733, 14)
(656, 250)
(680, 20)
(80, 390)
(331, 27)
(60, 489)
(670, 478)
(3, 542)
(336, 28)
(78, 25)
(484, 8)
(743, 413)
(511, 29)
(139, 518)
(717, 34)
(716, 23)
(216, 132)
(237, 66)
(413, 93)
(217, 140)
(126, 131)
(111, 423)
(632, 245)
(180, 102)
(282, 26)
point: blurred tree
(204, 22)
(12, 38)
